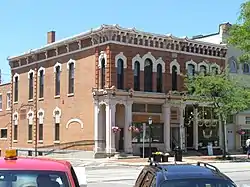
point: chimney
(51, 37)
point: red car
(36, 172)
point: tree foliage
(239, 33)
(224, 94)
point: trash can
(178, 154)
(165, 157)
(157, 156)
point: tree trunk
(223, 126)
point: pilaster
(166, 114)
(110, 122)
(127, 133)
(96, 127)
(182, 128)
(195, 128)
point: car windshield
(33, 178)
(197, 183)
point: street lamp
(150, 121)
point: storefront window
(157, 133)
(245, 136)
(208, 132)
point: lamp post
(150, 121)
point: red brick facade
(76, 111)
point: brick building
(85, 87)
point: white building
(238, 71)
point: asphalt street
(125, 176)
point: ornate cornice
(115, 33)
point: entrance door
(121, 140)
(190, 136)
(230, 139)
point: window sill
(70, 94)
(40, 99)
(8, 109)
(16, 102)
(30, 100)
(57, 96)
(3, 138)
(14, 141)
(40, 141)
(29, 141)
(56, 142)
(1, 110)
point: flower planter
(165, 157)
(157, 158)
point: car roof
(186, 171)
(34, 163)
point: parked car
(36, 172)
(182, 175)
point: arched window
(191, 70)
(203, 69)
(103, 73)
(159, 78)
(215, 70)
(137, 76)
(233, 67)
(120, 74)
(245, 68)
(148, 74)
(174, 78)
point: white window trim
(41, 69)
(30, 118)
(40, 117)
(1, 133)
(193, 63)
(175, 63)
(31, 71)
(159, 61)
(71, 61)
(102, 56)
(152, 58)
(16, 75)
(1, 96)
(215, 65)
(56, 65)
(17, 118)
(55, 110)
(74, 120)
(137, 58)
(123, 58)
(203, 64)
(8, 107)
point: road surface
(125, 176)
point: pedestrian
(248, 147)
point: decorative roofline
(111, 32)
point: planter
(157, 158)
(165, 158)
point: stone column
(127, 133)
(110, 122)
(220, 134)
(182, 128)
(195, 131)
(166, 114)
(96, 126)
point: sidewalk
(144, 161)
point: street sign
(143, 139)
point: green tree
(225, 95)
(239, 33)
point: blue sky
(24, 24)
